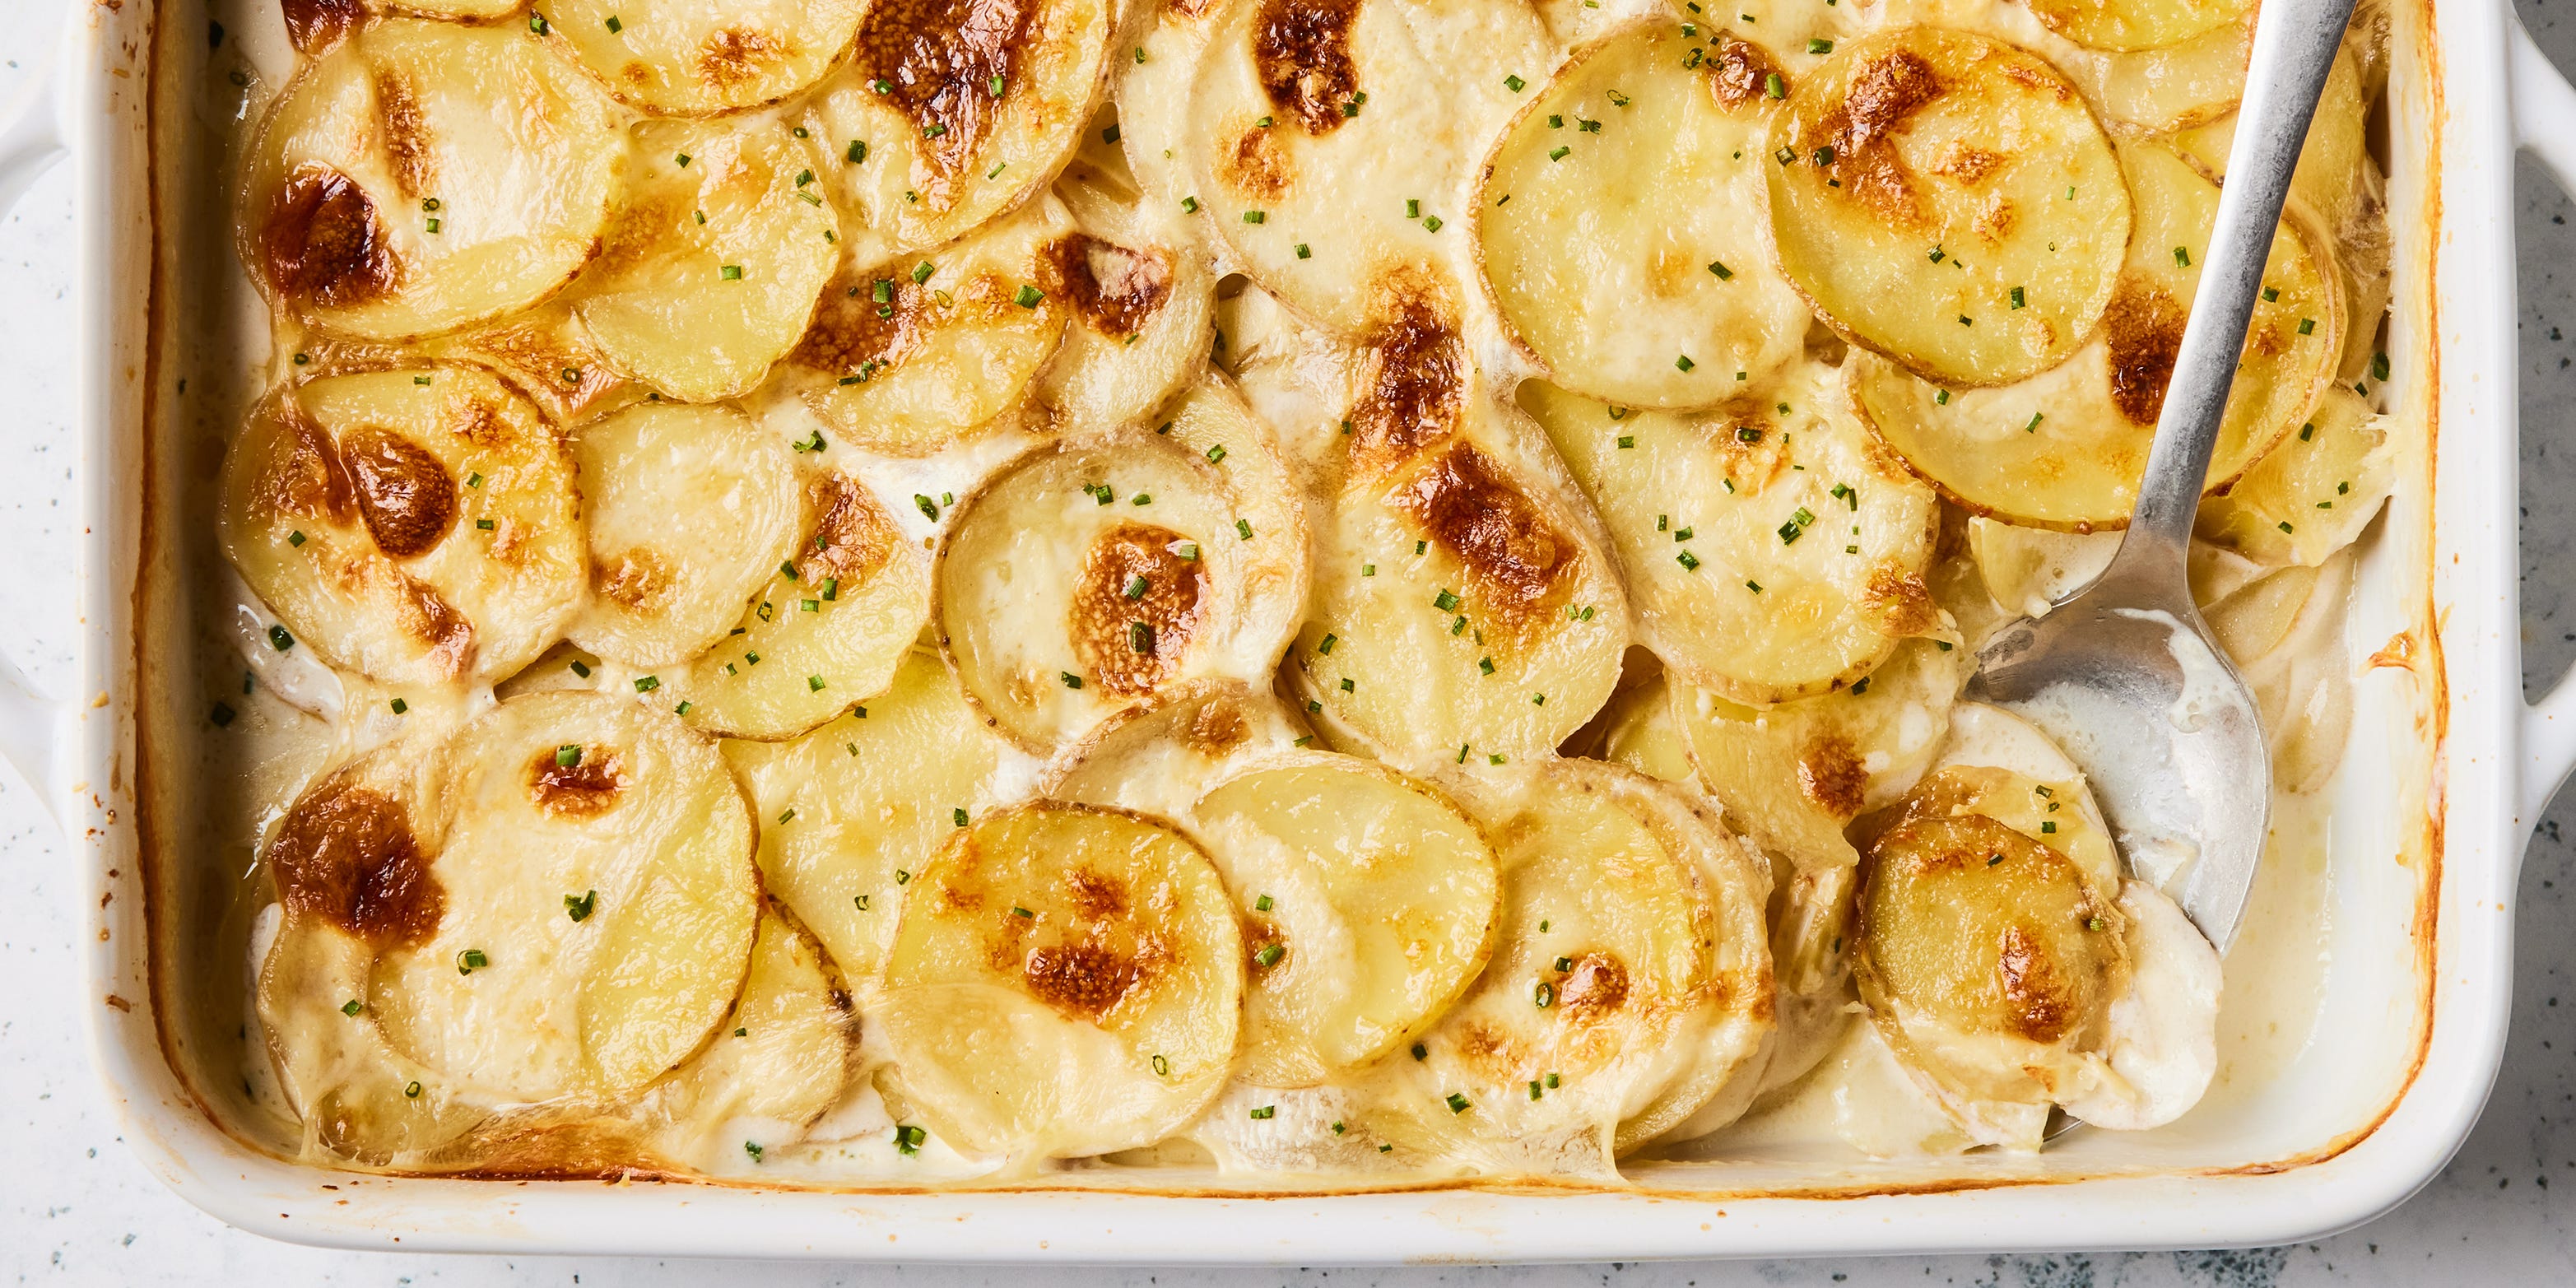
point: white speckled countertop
(76, 1209)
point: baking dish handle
(31, 140)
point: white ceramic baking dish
(2447, 771)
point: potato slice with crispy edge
(530, 919)
(2138, 24)
(779, 1060)
(918, 144)
(424, 176)
(1158, 756)
(688, 510)
(1772, 549)
(826, 631)
(1367, 903)
(1948, 200)
(2064, 449)
(543, 352)
(691, 58)
(417, 525)
(1088, 575)
(913, 355)
(1615, 959)
(2314, 493)
(710, 270)
(1329, 143)
(1793, 775)
(852, 812)
(1619, 230)
(1066, 980)
(1141, 299)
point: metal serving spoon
(2123, 673)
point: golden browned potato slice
(687, 56)
(1367, 903)
(422, 176)
(556, 906)
(2330, 161)
(826, 631)
(852, 812)
(1461, 613)
(2065, 448)
(2138, 24)
(1066, 981)
(545, 352)
(2312, 495)
(1158, 756)
(417, 525)
(1614, 960)
(1948, 200)
(1141, 300)
(778, 1061)
(1795, 774)
(912, 355)
(712, 265)
(1333, 144)
(1087, 576)
(688, 509)
(1620, 231)
(951, 112)
(1772, 550)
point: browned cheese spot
(1593, 989)
(1968, 163)
(1256, 165)
(1861, 129)
(1096, 896)
(1412, 382)
(576, 791)
(2036, 1000)
(320, 241)
(1517, 563)
(2143, 327)
(1741, 72)
(1085, 980)
(1902, 601)
(1261, 934)
(408, 145)
(1114, 290)
(1217, 728)
(1301, 49)
(346, 853)
(1105, 618)
(316, 25)
(404, 492)
(852, 334)
(305, 476)
(940, 57)
(852, 538)
(1830, 774)
(639, 579)
(739, 56)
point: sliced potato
(1772, 550)
(545, 352)
(416, 525)
(1085, 577)
(712, 265)
(1066, 981)
(1607, 972)
(1643, 733)
(1160, 755)
(2328, 177)
(1460, 613)
(687, 56)
(1350, 131)
(2160, 91)
(688, 511)
(1152, 98)
(920, 147)
(779, 1060)
(2138, 24)
(1141, 301)
(1367, 903)
(1620, 232)
(2284, 631)
(852, 812)
(1948, 200)
(2028, 570)
(1793, 775)
(2064, 449)
(910, 356)
(423, 176)
(2314, 493)
(826, 631)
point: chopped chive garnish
(1269, 955)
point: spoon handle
(2294, 48)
